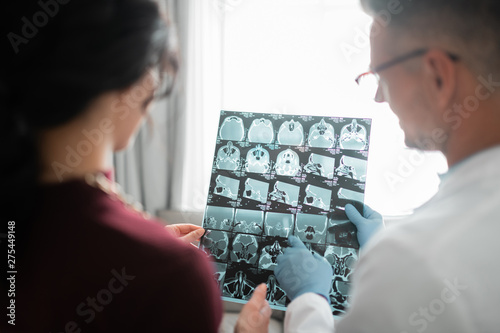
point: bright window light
(301, 57)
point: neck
(72, 151)
(476, 133)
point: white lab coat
(437, 271)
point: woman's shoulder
(93, 218)
(88, 240)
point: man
(438, 65)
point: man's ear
(440, 78)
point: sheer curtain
(200, 27)
(168, 166)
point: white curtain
(168, 166)
(200, 32)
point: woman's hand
(188, 233)
(256, 314)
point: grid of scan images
(277, 175)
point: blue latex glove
(368, 225)
(299, 271)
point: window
(301, 57)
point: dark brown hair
(63, 54)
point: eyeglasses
(370, 80)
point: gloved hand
(299, 271)
(368, 225)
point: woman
(82, 77)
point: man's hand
(188, 233)
(367, 226)
(299, 271)
(255, 315)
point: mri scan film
(277, 175)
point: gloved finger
(294, 254)
(370, 213)
(280, 258)
(319, 257)
(353, 215)
(287, 256)
(295, 242)
(280, 271)
(277, 270)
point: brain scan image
(245, 249)
(232, 129)
(291, 133)
(220, 273)
(268, 256)
(353, 136)
(315, 247)
(278, 224)
(350, 195)
(321, 135)
(218, 218)
(285, 193)
(342, 261)
(216, 243)
(238, 287)
(276, 175)
(226, 187)
(257, 160)
(287, 163)
(318, 197)
(351, 167)
(261, 131)
(249, 221)
(342, 233)
(320, 165)
(339, 293)
(256, 190)
(228, 157)
(311, 228)
(275, 294)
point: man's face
(403, 86)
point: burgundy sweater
(93, 265)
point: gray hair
(469, 28)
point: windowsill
(176, 217)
